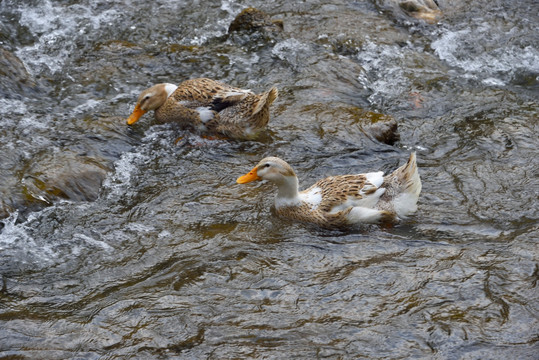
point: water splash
(485, 55)
(10, 228)
(291, 51)
(11, 107)
(88, 106)
(17, 244)
(125, 167)
(90, 242)
(384, 71)
(57, 28)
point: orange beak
(250, 176)
(135, 115)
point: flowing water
(117, 242)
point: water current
(119, 242)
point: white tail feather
(205, 114)
(365, 215)
(406, 202)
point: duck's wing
(210, 93)
(338, 193)
(230, 97)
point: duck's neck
(287, 192)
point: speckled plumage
(208, 106)
(342, 200)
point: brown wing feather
(337, 189)
(239, 113)
(304, 213)
(202, 92)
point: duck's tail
(403, 187)
(266, 99)
(410, 176)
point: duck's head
(272, 169)
(151, 99)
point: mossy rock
(252, 19)
(382, 127)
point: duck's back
(202, 92)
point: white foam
(10, 231)
(288, 50)
(56, 26)
(137, 227)
(12, 107)
(164, 234)
(14, 239)
(383, 74)
(124, 168)
(90, 104)
(93, 242)
(493, 82)
(231, 7)
(491, 60)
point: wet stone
(380, 127)
(252, 19)
(64, 175)
(254, 29)
(353, 123)
(421, 9)
(384, 131)
(426, 10)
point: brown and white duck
(342, 200)
(207, 106)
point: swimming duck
(342, 200)
(207, 106)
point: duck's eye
(266, 166)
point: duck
(342, 200)
(207, 106)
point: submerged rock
(49, 179)
(74, 174)
(253, 29)
(350, 123)
(381, 127)
(64, 175)
(386, 132)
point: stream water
(117, 242)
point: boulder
(252, 19)
(426, 10)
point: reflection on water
(118, 242)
